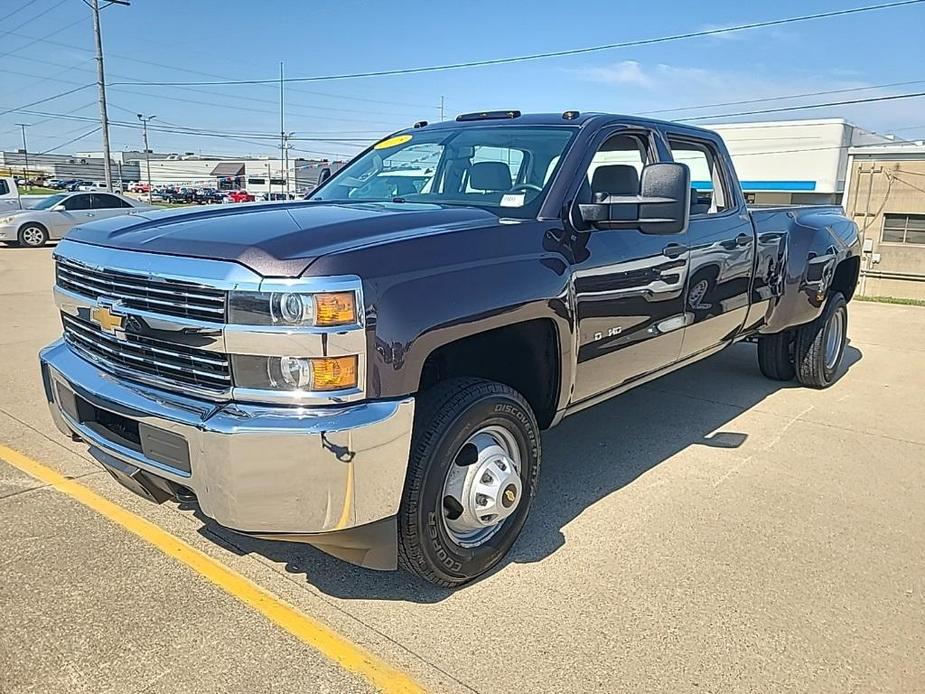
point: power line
(44, 38)
(555, 54)
(79, 137)
(780, 97)
(32, 19)
(133, 82)
(50, 98)
(10, 14)
(892, 97)
(292, 109)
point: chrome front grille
(143, 292)
(148, 359)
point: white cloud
(625, 72)
(663, 89)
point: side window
(617, 165)
(709, 194)
(106, 202)
(77, 202)
(4, 188)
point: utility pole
(25, 149)
(282, 126)
(441, 109)
(144, 122)
(101, 84)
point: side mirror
(324, 175)
(663, 205)
(58, 208)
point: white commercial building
(799, 161)
(256, 176)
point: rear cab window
(710, 192)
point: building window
(903, 228)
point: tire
(820, 345)
(32, 235)
(775, 356)
(449, 417)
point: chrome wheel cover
(482, 487)
(834, 338)
(32, 236)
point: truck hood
(275, 239)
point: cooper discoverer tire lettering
(472, 436)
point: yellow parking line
(327, 642)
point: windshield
(49, 202)
(504, 169)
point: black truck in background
(369, 370)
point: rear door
(628, 286)
(722, 245)
(108, 205)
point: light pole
(144, 124)
(286, 160)
(25, 149)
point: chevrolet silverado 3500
(369, 370)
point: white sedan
(54, 216)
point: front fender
(426, 292)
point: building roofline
(889, 149)
(782, 123)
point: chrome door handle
(743, 239)
(674, 250)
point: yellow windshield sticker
(392, 142)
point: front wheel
(820, 345)
(475, 458)
(33, 235)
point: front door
(722, 243)
(77, 210)
(628, 286)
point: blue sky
(189, 40)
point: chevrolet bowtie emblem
(108, 321)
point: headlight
(295, 373)
(7, 220)
(325, 309)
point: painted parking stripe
(311, 632)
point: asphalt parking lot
(711, 531)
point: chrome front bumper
(256, 469)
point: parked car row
(54, 216)
(75, 184)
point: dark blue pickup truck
(369, 370)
